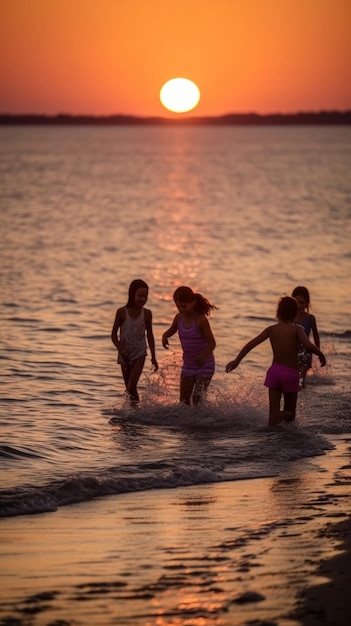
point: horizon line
(323, 116)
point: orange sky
(112, 56)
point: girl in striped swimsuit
(197, 342)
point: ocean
(240, 214)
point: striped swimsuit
(193, 343)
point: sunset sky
(106, 57)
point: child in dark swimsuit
(283, 376)
(308, 322)
(197, 342)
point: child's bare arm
(211, 342)
(232, 365)
(171, 331)
(119, 319)
(315, 332)
(150, 338)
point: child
(197, 343)
(308, 322)
(283, 375)
(133, 321)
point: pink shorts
(282, 377)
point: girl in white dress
(131, 324)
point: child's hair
(287, 309)
(133, 288)
(304, 293)
(185, 294)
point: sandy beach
(267, 551)
(330, 603)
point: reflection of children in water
(308, 322)
(133, 321)
(283, 375)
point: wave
(346, 334)
(164, 446)
(10, 452)
(206, 449)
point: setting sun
(180, 95)
(263, 57)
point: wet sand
(261, 552)
(330, 602)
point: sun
(180, 95)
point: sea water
(241, 215)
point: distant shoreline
(231, 119)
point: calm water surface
(242, 215)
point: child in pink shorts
(283, 376)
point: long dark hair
(133, 288)
(202, 305)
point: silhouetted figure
(133, 321)
(197, 342)
(283, 375)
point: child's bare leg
(186, 389)
(200, 387)
(125, 373)
(135, 372)
(290, 400)
(303, 374)
(275, 414)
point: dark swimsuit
(305, 357)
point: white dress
(132, 336)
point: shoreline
(329, 602)
(262, 551)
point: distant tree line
(252, 119)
